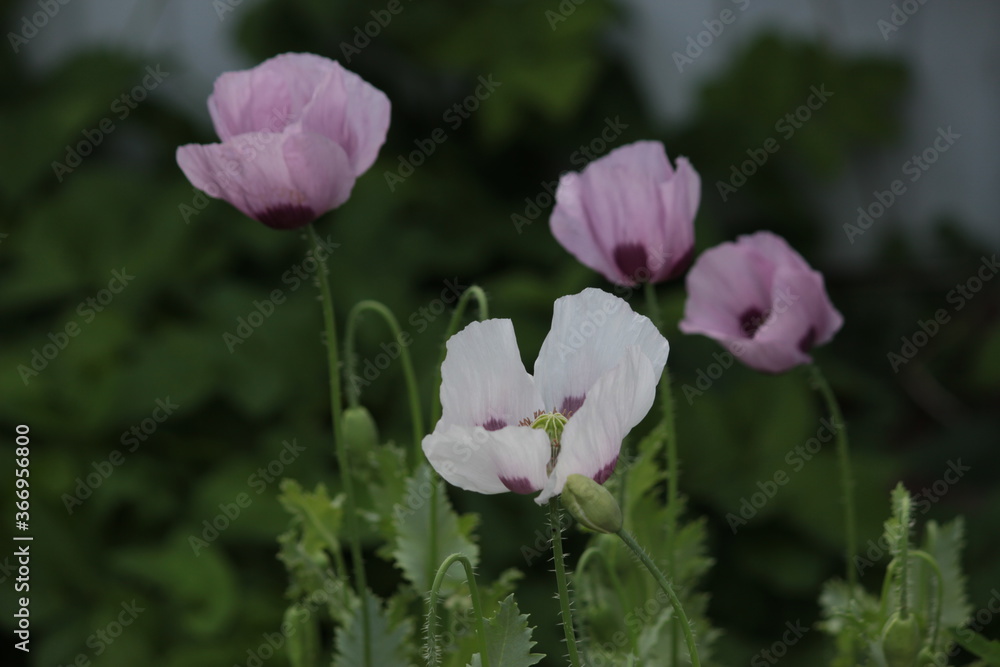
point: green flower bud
(360, 431)
(901, 641)
(591, 504)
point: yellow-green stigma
(552, 423)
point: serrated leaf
(416, 553)
(944, 544)
(508, 638)
(388, 641)
(852, 623)
(317, 516)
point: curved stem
(476, 607)
(681, 618)
(939, 589)
(673, 472)
(846, 477)
(338, 440)
(474, 292)
(557, 553)
(354, 391)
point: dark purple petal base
(605, 473)
(286, 216)
(630, 258)
(518, 485)
(751, 320)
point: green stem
(557, 553)
(477, 608)
(338, 441)
(939, 590)
(904, 558)
(474, 292)
(354, 391)
(673, 472)
(681, 618)
(846, 477)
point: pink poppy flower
(760, 299)
(503, 430)
(296, 131)
(629, 215)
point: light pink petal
(767, 355)
(472, 458)
(483, 381)
(724, 284)
(266, 98)
(761, 300)
(573, 229)
(629, 215)
(647, 157)
(590, 334)
(681, 196)
(592, 439)
(801, 315)
(774, 249)
(352, 113)
(283, 180)
(622, 204)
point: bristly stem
(338, 440)
(673, 472)
(557, 553)
(354, 392)
(474, 292)
(476, 608)
(846, 476)
(681, 618)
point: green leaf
(852, 624)
(508, 638)
(388, 641)
(944, 544)
(988, 650)
(416, 554)
(318, 516)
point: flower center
(552, 423)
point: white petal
(593, 436)
(483, 381)
(511, 459)
(590, 332)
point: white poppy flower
(504, 430)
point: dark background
(197, 271)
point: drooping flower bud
(591, 504)
(360, 431)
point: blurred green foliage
(162, 336)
